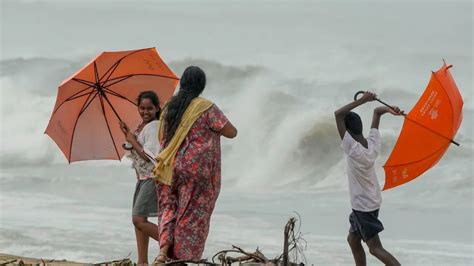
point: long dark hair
(153, 98)
(192, 84)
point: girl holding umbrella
(144, 146)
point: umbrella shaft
(112, 107)
(454, 142)
(382, 102)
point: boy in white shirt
(364, 188)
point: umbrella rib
(71, 97)
(83, 81)
(113, 68)
(146, 74)
(451, 106)
(77, 119)
(431, 154)
(96, 73)
(122, 79)
(80, 92)
(115, 65)
(113, 109)
(427, 128)
(77, 96)
(113, 93)
(107, 122)
(83, 109)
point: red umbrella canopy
(90, 104)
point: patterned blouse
(148, 138)
(200, 152)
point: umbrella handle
(357, 94)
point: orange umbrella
(427, 131)
(90, 104)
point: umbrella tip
(455, 143)
(447, 66)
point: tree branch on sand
(293, 248)
(294, 244)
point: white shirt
(364, 188)
(148, 138)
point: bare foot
(160, 259)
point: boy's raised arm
(379, 111)
(341, 112)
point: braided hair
(192, 84)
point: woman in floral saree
(189, 168)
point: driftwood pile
(293, 248)
(293, 245)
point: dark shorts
(365, 224)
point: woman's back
(199, 154)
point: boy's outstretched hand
(394, 110)
(379, 111)
(368, 96)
